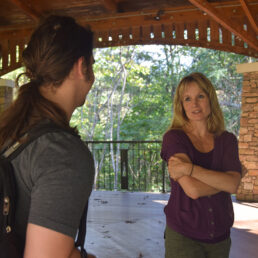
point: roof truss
(217, 24)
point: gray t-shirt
(54, 176)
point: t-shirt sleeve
(231, 160)
(63, 174)
(173, 142)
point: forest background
(132, 98)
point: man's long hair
(52, 51)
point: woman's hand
(178, 167)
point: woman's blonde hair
(215, 120)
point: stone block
(251, 100)
(255, 190)
(253, 114)
(244, 121)
(248, 186)
(240, 197)
(253, 172)
(249, 94)
(255, 198)
(246, 151)
(243, 130)
(243, 145)
(247, 138)
(252, 121)
(251, 165)
(246, 179)
(249, 197)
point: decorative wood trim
(28, 10)
(249, 15)
(235, 28)
(110, 5)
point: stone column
(248, 135)
(6, 93)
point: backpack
(10, 244)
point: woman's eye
(187, 99)
(201, 96)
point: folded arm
(180, 166)
(192, 187)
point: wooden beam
(28, 10)
(235, 28)
(110, 5)
(249, 15)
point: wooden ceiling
(217, 24)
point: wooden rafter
(28, 10)
(233, 27)
(249, 14)
(110, 5)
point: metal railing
(129, 165)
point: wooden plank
(21, 48)
(214, 28)
(226, 22)
(238, 41)
(168, 28)
(4, 53)
(136, 33)
(123, 37)
(190, 27)
(247, 10)
(98, 39)
(12, 51)
(112, 225)
(226, 37)
(110, 5)
(104, 36)
(114, 34)
(157, 31)
(28, 10)
(146, 30)
(202, 27)
(179, 31)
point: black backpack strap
(81, 237)
(13, 151)
(37, 131)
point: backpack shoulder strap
(15, 149)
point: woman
(204, 170)
(54, 174)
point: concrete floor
(131, 225)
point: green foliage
(143, 110)
(152, 75)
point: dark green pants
(179, 246)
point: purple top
(209, 218)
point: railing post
(124, 168)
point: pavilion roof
(217, 24)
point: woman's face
(195, 103)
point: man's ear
(80, 67)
